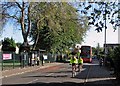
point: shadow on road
(63, 84)
(95, 72)
(68, 71)
(51, 76)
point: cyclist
(80, 63)
(101, 62)
(73, 61)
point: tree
(46, 14)
(56, 26)
(116, 57)
(98, 51)
(19, 13)
(99, 13)
(8, 45)
(94, 51)
(18, 44)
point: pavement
(17, 71)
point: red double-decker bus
(86, 53)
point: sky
(93, 37)
(11, 32)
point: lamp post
(105, 35)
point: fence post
(27, 62)
(13, 55)
(1, 59)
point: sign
(7, 56)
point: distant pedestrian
(21, 60)
(42, 59)
(33, 60)
(101, 62)
(38, 60)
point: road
(59, 75)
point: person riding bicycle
(73, 62)
(101, 62)
(80, 63)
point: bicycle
(80, 67)
(101, 62)
(73, 70)
(73, 62)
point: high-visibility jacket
(80, 60)
(73, 60)
(78, 54)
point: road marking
(12, 75)
(87, 75)
(32, 81)
(49, 74)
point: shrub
(117, 61)
(8, 45)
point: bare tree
(19, 13)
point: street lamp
(105, 29)
(105, 51)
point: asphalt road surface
(60, 75)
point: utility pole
(105, 51)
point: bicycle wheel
(73, 72)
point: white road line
(32, 81)
(49, 74)
(87, 76)
(13, 74)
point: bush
(8, 45)
(117, 62)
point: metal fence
(10, 60)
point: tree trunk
(37, 36)
(36, 41)
(22, 22)
(25, 31)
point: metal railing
(11, 60)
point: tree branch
(29, 21)
(18, 5)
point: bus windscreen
(86, 53)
